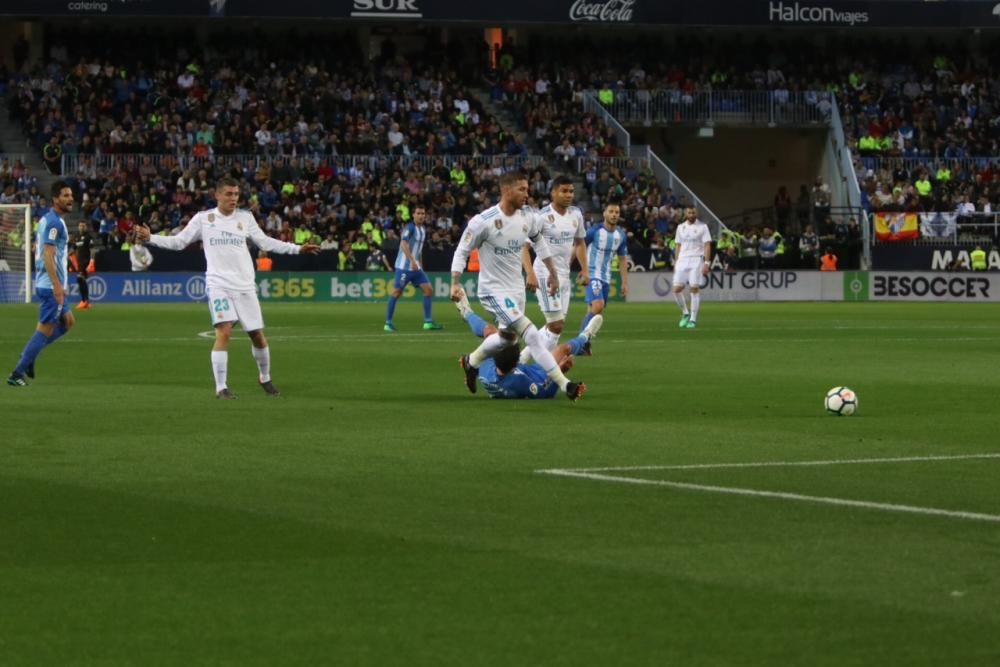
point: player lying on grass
(503, 376)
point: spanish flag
(897, 226)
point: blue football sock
(576, 345)
(586, 320)
(476, 323)
(390, 309)
(57, 334)
(427, 309)
(35, 344)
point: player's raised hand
(308, 249)
(531, 281)
(142, 233)
(553, 283)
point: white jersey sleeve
(473, 236)
(262, 240)
(706, 236)
(535, 237)
(188, 235)
(581, 229)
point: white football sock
(679, 298)
(220, 368)
(544, 357)
(549, 338)
(525, 357)
(695, 303)
(262, 356)
(490, 347)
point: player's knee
(678, 289)
(427, 289)
(223, 332)
(257, 338)
(694, 290)
(597, 307)
(396, 293)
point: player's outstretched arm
(262, 240)
(188, 235)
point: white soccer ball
(841, 401)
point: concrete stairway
(509, 122)
(13, 142)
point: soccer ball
(841, 401)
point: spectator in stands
(820, 199)
(748, 249)
(808, 248)
(828, 262)
(782, 208)
(767, 248)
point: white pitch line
(731, 490)
(777, 464)
(661, 341)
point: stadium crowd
(938, 109)
(915, 124)
(290, 127)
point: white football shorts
(242, 307)
(554, 307)
(506, 309)
(688, 272)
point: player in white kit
(229, 279)
(694, 257)
(500, 233)
(563, 230)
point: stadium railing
(666, 177)
(76, 164)
(731, 107)
(970, 165)
(607, 162)
(846, 187)
(622, 136)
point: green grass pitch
(378, 514)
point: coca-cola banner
(603, 11)
(850, 14)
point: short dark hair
(612, 202)
(58, 187)
(419, 207)
(226, 182)
(561, 179)
(512, 177)
(508, 358)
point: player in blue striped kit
(505, 376)
(51, 259)
(604, 241)
(409, 269)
